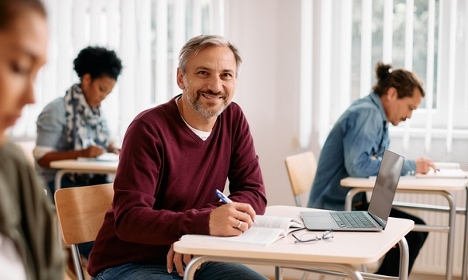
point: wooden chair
(81, 211)
(301, 171)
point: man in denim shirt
(355, 147)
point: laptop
(380, 205)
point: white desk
(411, 184)
(76, 166)
(346, 250)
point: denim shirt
(354, 147)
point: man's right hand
(423, 165)
(231, 219)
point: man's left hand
(177, 259)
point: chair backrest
(81, 211)
(301, 171)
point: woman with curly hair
(73, 126)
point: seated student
(29, 248)
(174, 157)
(73, 126)
(356, 144)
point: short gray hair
(200, 42)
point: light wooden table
(77, 166)
(343, 254)
(410, 184)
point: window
(146, 34)
(428, 37)
(410, 38)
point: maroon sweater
(166, 180)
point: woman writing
(73, 126)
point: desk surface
(411, 183)
(76, 165)
(346, 247)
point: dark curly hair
(402, 80)
(98, 62)
(10, 9)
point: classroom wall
(267, 34)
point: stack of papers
(445, 170)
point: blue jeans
(208, 271)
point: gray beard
(197, 106)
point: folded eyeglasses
(327, 236)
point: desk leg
(465, 243)
(451, 237)
(58, 179)
(404, 259)
(191, 268)
(278, 273)
(349, 198)
(57, 186)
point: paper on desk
(445, 170)
(103, 157)
(447, 165)
(254, 236)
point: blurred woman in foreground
(29, 247)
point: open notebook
(267, 230)
(445, 170)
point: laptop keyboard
(353, 219)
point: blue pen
(223, 197)
(226, 200)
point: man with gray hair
(174, 157)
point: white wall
(267, 34)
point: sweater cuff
(197, 222)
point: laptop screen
(386, 184)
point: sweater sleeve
(245, 176)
